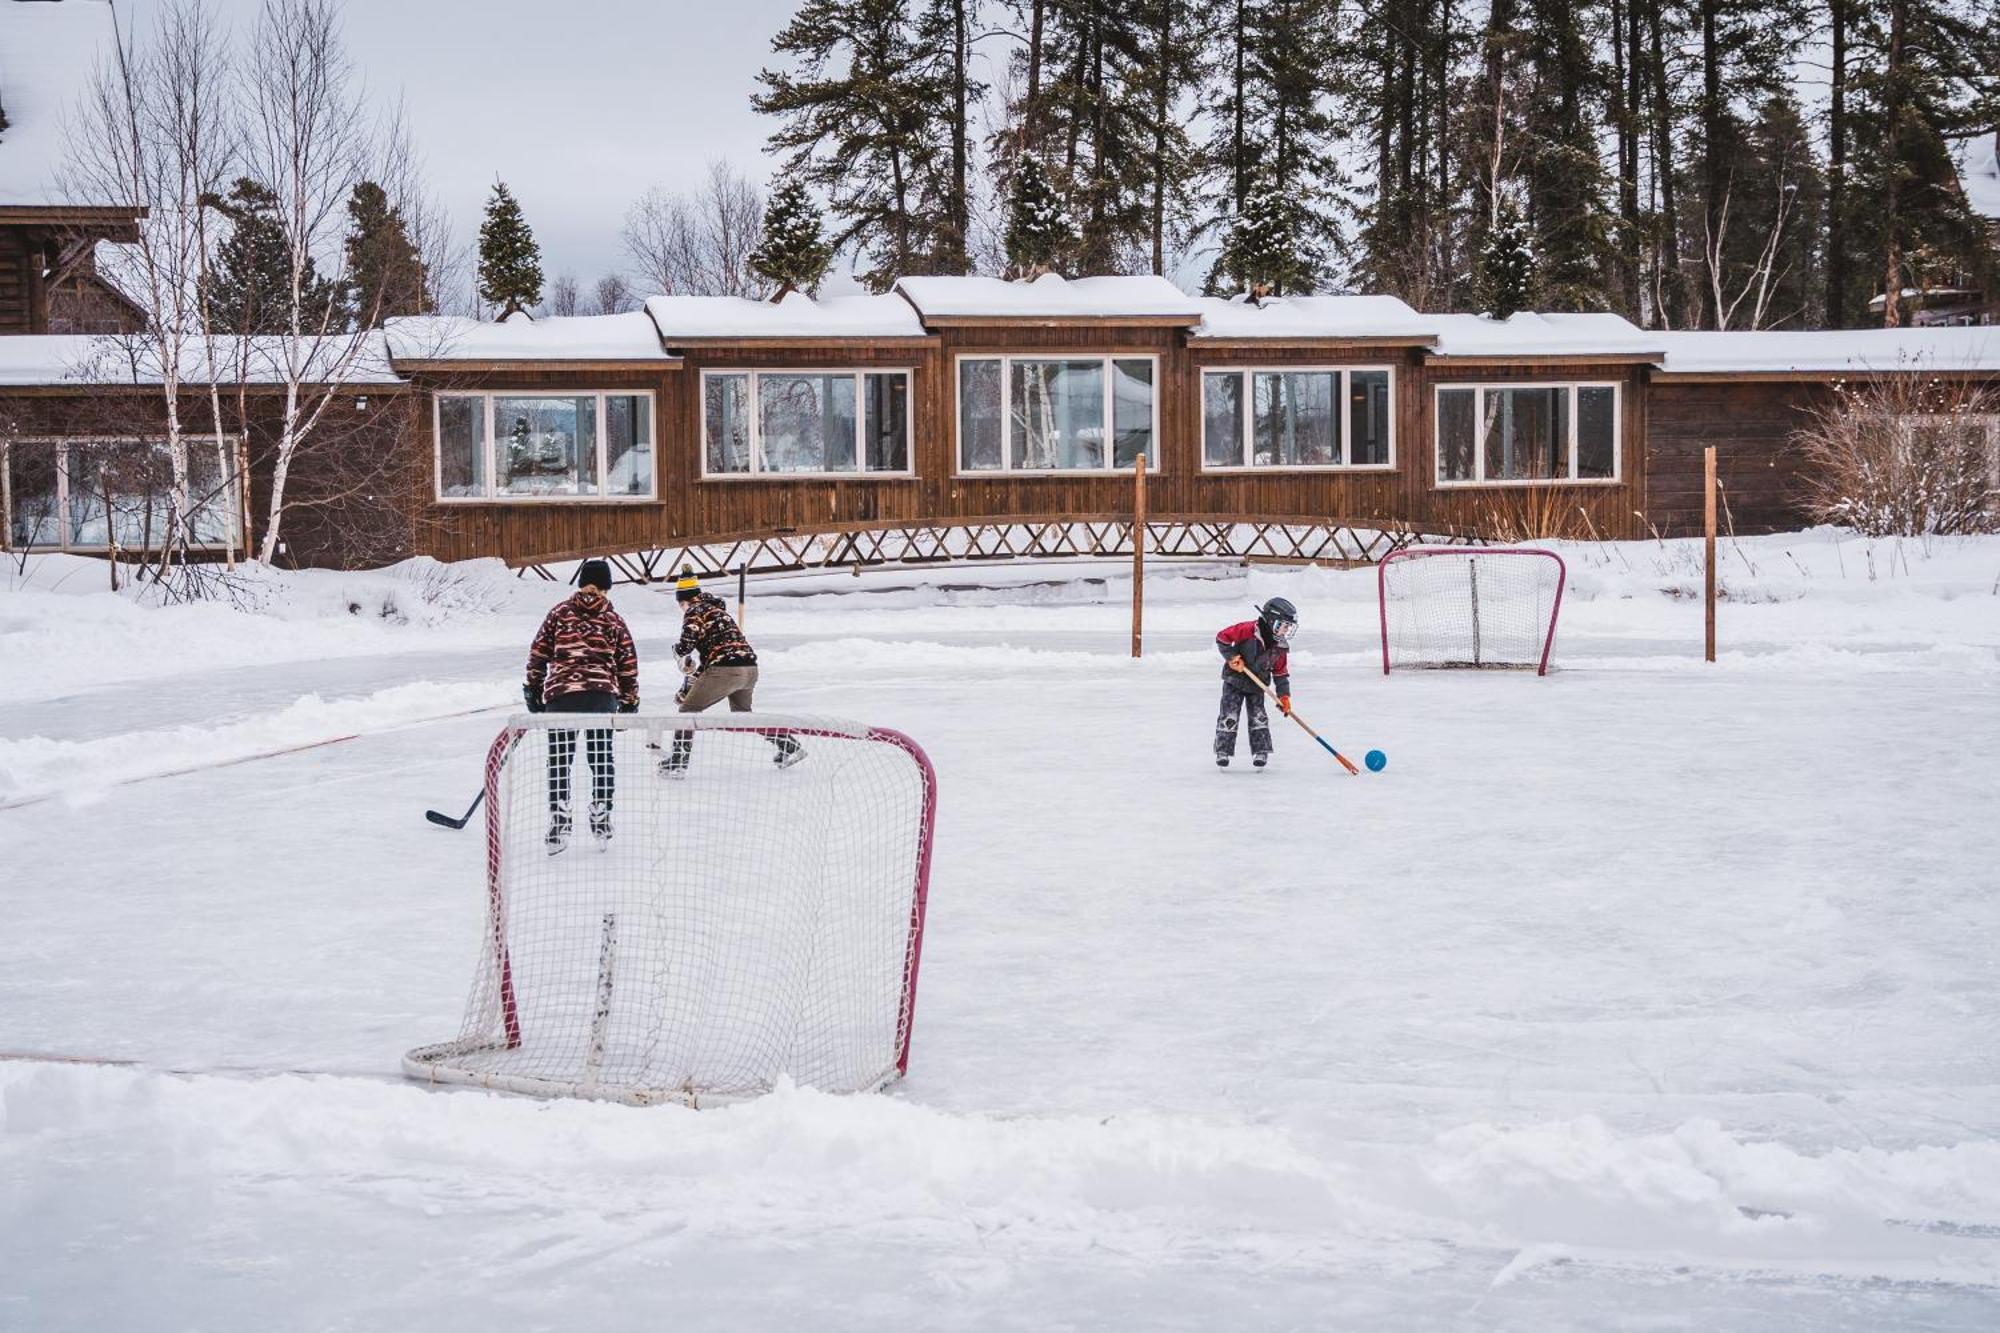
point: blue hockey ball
(1376, 761)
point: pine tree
(1404, 93)
(866, 119)
(510, 263)
(1507, 263)
(794, 254)
(1041, 233)
(1568, 207)
(1266, 250)
(1276, 131)
(248, 288)
(1926, 68)
(385, 275)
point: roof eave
(515, 364)
(1063, 321)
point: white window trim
(491, 457)
(758, 472)
(1007, 359)
(1248, 425)
(62, 444)
(1482, 387)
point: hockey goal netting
(1469, 606)
(742, 922)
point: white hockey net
(1460, 606)
(719, 927)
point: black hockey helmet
(1280, 617)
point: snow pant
(1234, 699)
(711, 686)
(596, 750)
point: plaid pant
(1225, 722)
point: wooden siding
(20, 282)
(1750, 424)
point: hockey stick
(1344, 762)
(444, 820)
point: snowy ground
(1649, 995)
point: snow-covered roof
(47, 55)
(553, 338)
(93, 359)
(1831, 351)
(1527, 337)
(1303, 318)
(683, 319)
(967, 299)
(1979, 169)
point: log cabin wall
(1750, 422)
(22, 309)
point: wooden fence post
(1708, 506)
(1138, 550)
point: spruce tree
(1568, 204)
(1507, 263)
(1041, 234)
(866, 119)
(248, 287)
(1266, 250)
(510, 263)
(385, 275)
(1276, 131)
(793, 254)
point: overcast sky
(577, 105)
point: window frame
(63, 444)
(490, 456)
(1481, 388)
(758, 472)
(1154, 464)
(1248, 429)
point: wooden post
(1708, 508)
(1138, 550)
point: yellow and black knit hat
(687, 585)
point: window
(95, 494)
(545, 446)
(1055, 414)
(1306, 417)
(805, 422)
(1527, 433)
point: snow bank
(36, 766)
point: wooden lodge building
(961, 403)
(948, 416)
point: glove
(1236, 663)
(690, 664)
(628, 706)
(1285, 704)
(533, 699)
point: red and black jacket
(1271, 661)
(584, 647)
(708, 632)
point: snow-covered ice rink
(1649, 995)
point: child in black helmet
(1259, 647)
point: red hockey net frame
(444, 1062)
(1410, 554)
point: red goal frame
(1462, 552)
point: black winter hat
(595, 574)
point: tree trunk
(1673, 294)
(1625, 46)
(1031, 109)
(1238, 166)
(955, 256)
(1160, 110)
(1713, 174)
(1892, 203)
(1836, 174)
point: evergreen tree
(1926, 73)
(385, 275)
(1267, 250)
(867, 120)
(793, 254)
(510, 263)
(3, 117)
(1507, 263)
(1568, 207)
(1041, 234)
(1276, 132)
(248, 287)
(1404, 92)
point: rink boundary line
(43, 798)
(237, 1072)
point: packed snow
(1049, 296)
(680, 319)
(45, 52)
(1650, 994)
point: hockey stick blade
(439, 817)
